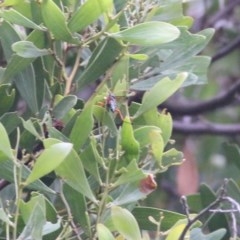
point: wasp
(111, 104)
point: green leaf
(55, 21)
(148, 33)
(176, 231)
(26, 84)
(215, 221)
(232, 153)
(72, 171)
(131, 174)
(16, 17)
(139, 57)
(87, 13)
(49, 160)
(90, 160)
(125, 223)
(5, 218)
(196, 234)
(5, 146)
(11, 121)
(17, 63)
(160, 92)
(156, 146)
(36, 221)
(129, 144)
(104, 117)
(162, 120)
(6, 172)
(132, 192)
(104, 233)
(171, 157)
(7, 98)
(27, 49)
(142, 215)
(167, 60)
(63, 107)
(29, 126)
(101, 60)
(83, 124)
(8, 36)
(78, 205)
(141, 134)
(120, 77)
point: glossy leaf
(125, 223)
(27, 49)
(104, 233)
(156, 32)
(87, 13)
(16, 17)
(55, 21)
(129, 144)
(49, 160)
(160, 92)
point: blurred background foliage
(206, 117)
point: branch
(195, 108)
(227, 49)
(228, 8)
(206, 128)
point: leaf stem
(17, 174)
(70, 78)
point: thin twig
(209, 128)
(225, 50)
(70, 78)
(205, 210)
(189, 107)
(70, 217)
(227, 9)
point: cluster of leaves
(74, 169)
